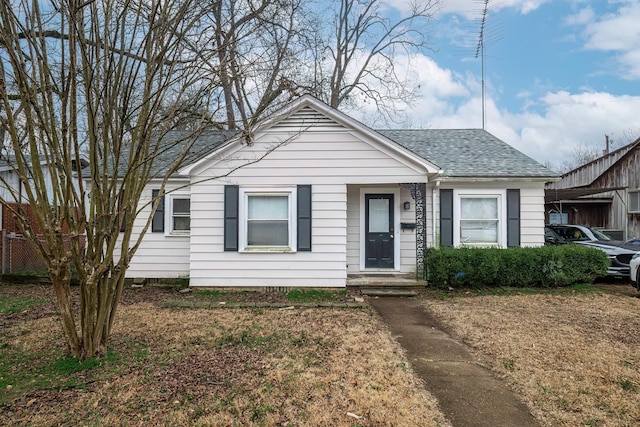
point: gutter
(468, 179)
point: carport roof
(555, 195)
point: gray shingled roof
(468, 153)
(204, 144)
(458, 152)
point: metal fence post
(4, 251)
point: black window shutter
(304, 218)
(157, 223)
(446, 217)
(513, 218)
(231, 193)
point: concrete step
(388, 292)
(384, 282)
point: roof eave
(502, 178)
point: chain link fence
(19, 257)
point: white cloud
(437, 87)
(548, 128)
(526, 6)
(472, 9)
(406, 7)
(583, 17)
(618, 32)
(561, 122)
(436, 81)
(568, 121)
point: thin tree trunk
(62, 288)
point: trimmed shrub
(545, 266)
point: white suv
(633, 273)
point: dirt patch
(159, 295)
(183, 367)
(618, 287)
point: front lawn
(573, 355)
(208, 367)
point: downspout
(434, 237)
(434, 223)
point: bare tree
(359, 49)
(106, 80)
(100, 80)
(262, 53)
(628, 136)
(584, 154)
(250, 48)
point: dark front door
(379, 230)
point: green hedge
(545, 266)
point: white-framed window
(179, 213)
(634, 201)
(267, 219)
(481, 218)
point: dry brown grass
(575, 359)
(226, 367)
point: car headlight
(637, 255)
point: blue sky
(559, 74)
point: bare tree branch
(359, 56)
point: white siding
(335, 162)
(531, 208)
(532, 215)
(327, 157)
(353, 228)
(433, 237)
(11, 187)
(160, 255)
(324, 266)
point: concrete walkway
(468, 395)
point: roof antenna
(480, 46)
(480, 51)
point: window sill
(265, 249)
(178, 234)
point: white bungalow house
(314, 196)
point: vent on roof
(307, 117)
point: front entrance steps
(385, 284)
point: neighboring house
(17, 254)
(10, 187)
(604, 194)
(12, 190)
(315, 195)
